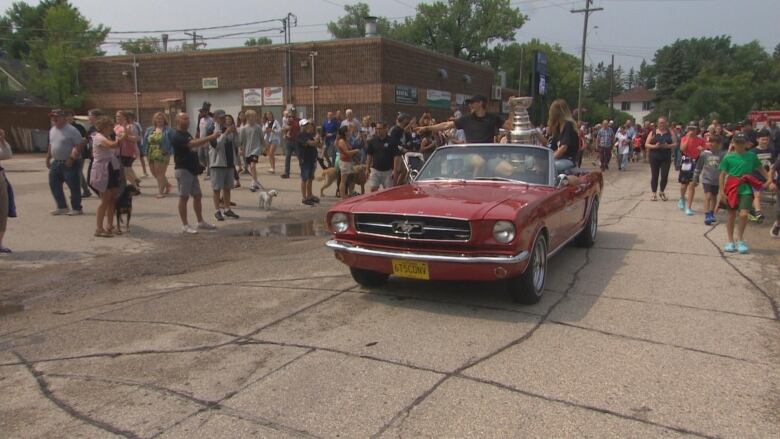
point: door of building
(228, 100)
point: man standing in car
(479, 126)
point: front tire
(368, 278)
(528, 288)
(587, 236)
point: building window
(647, 106)
(625, 106)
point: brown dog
(330, 176)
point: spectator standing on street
(272, 138)
(105, 174)
(141, 146)
(605, 138)
(250, 139)
(128, 148)
(346, 155)
(691, 146)
(222, 165)
(329, 129)
(764, 152)
(708, 174)
(774, 173)
(623, 144)
(383, 158)
(93, 116)
(5, 199)
(205, 127)
(62, 157)
(85, 193)
(157, 143)
(293, 129)
(350, 119)
(659, 144)
(240, 122)
(188, 168)
(307, 144)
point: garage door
(228, 100)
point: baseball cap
(304, 122)
(57, 112)
(220, 113)
(693, 126)
(740, 138)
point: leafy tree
(21, 24)
(645, 77)
(353, 23)
(141, 45)
(776, 53)
(630, 80)
(54, 59)
(261, 41)
(461, 28)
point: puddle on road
(291, 230)
(10, 308)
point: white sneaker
(188, 229)
(59, 212)
(206, 226)
(75, 213)
(272, 170)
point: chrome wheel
(594, 220)
(539, 267)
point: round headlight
(339, 222)
(504, 231)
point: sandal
(160, 196)
(103, 234)
(654, 198)
(663, 196)
(113, 231)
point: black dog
(124, 205)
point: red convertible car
(473, 212)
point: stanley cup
(522, 131)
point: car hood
(467, 200)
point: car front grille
(423, 228)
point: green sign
(405, 95)
(438, 99)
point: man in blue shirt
(329, 129)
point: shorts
(187, 183)
(307, 170)
(114, 177)
(127, 162)
(713, 189)
(745, 202)
(222, 178)
(686, 170)
(345, 167)
(380, 178)
(252, 159)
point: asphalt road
(255, 330)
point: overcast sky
(631, 29)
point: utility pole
(195, 37)
(612, 89)
(587, 12)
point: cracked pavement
(245, 333)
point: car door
(555, 209)
(574, 212)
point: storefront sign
(210, 83)
(273, 96)
(438, 99)
(253, 97)
(405, 95)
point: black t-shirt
(480, 129)
(396, 137)
(183, 156)
(383, 153)
(568, 137)
(307, 153)
(414, 142)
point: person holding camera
(187, 169)
(660, 143)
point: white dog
(266, 197)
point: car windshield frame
(443, 149)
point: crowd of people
(732, 163)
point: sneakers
(206, 226)
(5, 250)
(285, 176)
(729, 247)
(86, 195)
(56, 212)
(681, 204)
(76, 212)
(188, 230)
(708, 217)
(775, 231)
(230, 214)
(742, 248)
(308, 202)
(689, 211)
(218, 216)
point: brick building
(374, 76)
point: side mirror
(413, 174)
(561, 180)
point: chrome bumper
(349, 248)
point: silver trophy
(522, 130)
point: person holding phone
(660, 143)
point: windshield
(480, 162)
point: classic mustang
(473, 212)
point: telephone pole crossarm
(587, 11)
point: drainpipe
(135, 83)
(313, 55)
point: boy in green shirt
(736, 164)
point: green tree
(54, 59)
(261, 41)
(353, 23)
(461, 28)
(141, 45)
(22, 24)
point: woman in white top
(273, 133)
(105, 174)
(5, 154)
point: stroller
(413, 162)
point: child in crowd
(764, 153)
(708, 173)
(735, 186)
(623, 144)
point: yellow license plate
(410, 269)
